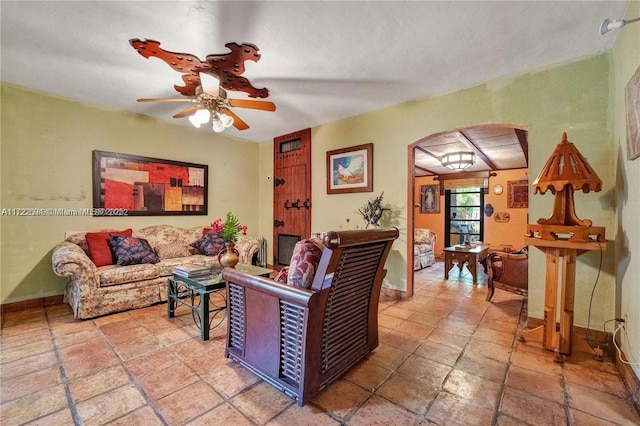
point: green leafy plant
(230, 229)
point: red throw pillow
(99, 246)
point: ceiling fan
(207, 105)
(206, 81)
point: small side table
(471, 256)
(185, 290)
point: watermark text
(33, 211)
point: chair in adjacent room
(508, 271)
(424, 242)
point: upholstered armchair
(301, 339)
(424, 242)
(508, 271)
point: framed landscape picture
(350, 169)
(518, 194)
(143, 186)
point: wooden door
(291, 193)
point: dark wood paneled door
(291, 193)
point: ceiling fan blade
(188, 111)
(210, 84)
(238, 123)
(249, 103)
(166, 100)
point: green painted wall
(46, 162)
(626, 60)
(572, 97)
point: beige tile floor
(446, 357)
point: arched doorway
(500, 154)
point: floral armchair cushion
(424, 236)
(281, 276)
(304, 262)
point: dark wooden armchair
(508, 271)
(301, 340)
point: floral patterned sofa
(99, 290)
(424, 242)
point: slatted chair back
(301, 340)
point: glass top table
(203, 295)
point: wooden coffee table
(465, 254)
(203, 295)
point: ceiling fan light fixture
(203, 115)
(217, 125)
(195, 121)
(458, 160)
(227, 120)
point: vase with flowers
(229, 230)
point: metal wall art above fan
(207, 82)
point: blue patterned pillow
(132, 251)
(211, 244)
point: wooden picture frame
(632, 96)
(518, 194)
(350, 169)
(429, 198)
(141, 186)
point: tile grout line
(424, 415)
(131, 376)
(75, 415)
(514, 344)
(152, 403)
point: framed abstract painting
(143, 186)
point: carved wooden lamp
(566, 170)
(562, 237)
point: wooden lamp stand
(562, 237)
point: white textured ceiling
(321, 61)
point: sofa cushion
(304, 262)
(210, 244)
(157, 235)
(132, 251)
(111, 275)
(423, 236)
(173, 250)
(166, 266)
(99, 246)
(422, 248)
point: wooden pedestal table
(561, 269)
(465, 254)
